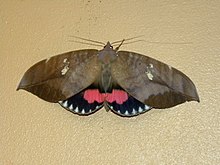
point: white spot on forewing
(149, 72)
(149, 75)
(64, 70)
(66, 66)
(65, 60)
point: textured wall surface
(33, 131)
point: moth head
(108, 46)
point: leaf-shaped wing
(62, 76)
(152, 82)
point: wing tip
(22, 84)
(195, 96)
(196, 99)
(19, 86)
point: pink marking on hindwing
(92, 95)
(119, 96)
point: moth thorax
(107, 57)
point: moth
(127, 83)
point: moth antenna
(178, 43)
(127, 39)
(125, 43)
(85, 43)
(85, 39)
(116, 49)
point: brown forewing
(62, 76)
(152, 82)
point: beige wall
(36, 132)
